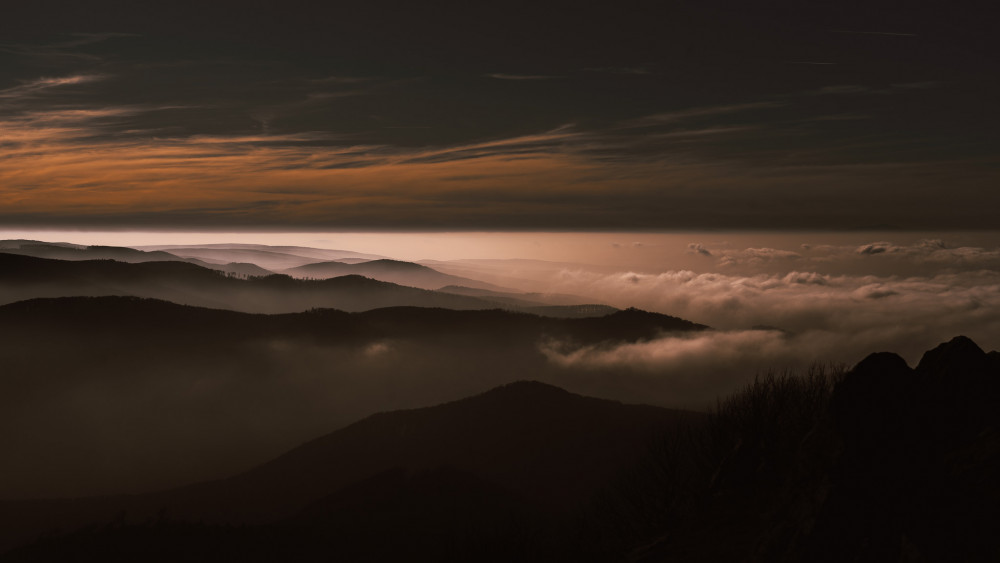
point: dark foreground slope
(492, 474)
(883, 463)
(879, 463)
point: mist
(152, 400)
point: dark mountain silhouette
(244, 260)
(395, 271)
(271, 260)
(958, 359)
(356, 260)
(243, 269)
(274, 258)
(82, 317)
(304, 251)
(878, 463)
(539, 441)
(120, 314)
(881, 463)
(504, 462)
(620, 326)
(570, 311)
(23, 277)
(17, 243)
(917, 476)
(78, 252)
(220, 390)
(631, 324)
(520, 299)
(519, 273)
(65, 251)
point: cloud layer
(772, 316)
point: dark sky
(458, 115)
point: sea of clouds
(775, 309)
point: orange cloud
(80, 166)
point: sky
(524, 117)
(827, 169)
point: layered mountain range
(179, 403)
(307, 279)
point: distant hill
(65, 251)
(18, 243)
(518, 455)
(519, 298)
(118, 315)
(301, 262)
(525, 437)
(571, 311)
(23, 277)
(273, 261)
(274, 258)
(139, 394)
(304, 251)
(619, 326)
(395, 271)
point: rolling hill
(138, 394)
(528, 450)
(25, 277)
(395, 271)
(273, 258)
(881, 462)
(65, 251)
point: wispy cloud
(35, 87)
(62, 153)
(696, 112)
(94, 164)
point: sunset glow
(506, 281)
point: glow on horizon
(624, 250)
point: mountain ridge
(24, 277)
(839, 466)
(526, 437)
(395, 271)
